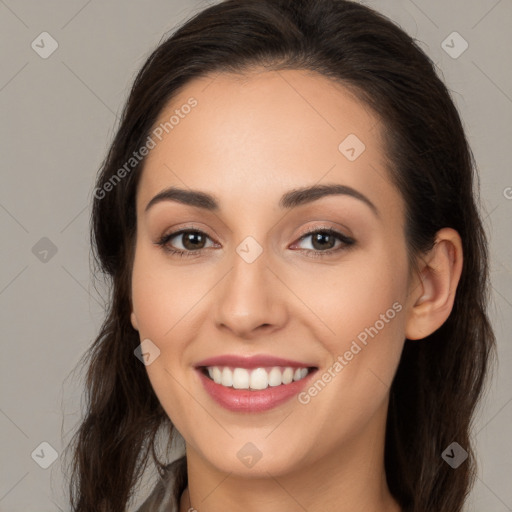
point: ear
(432, 295)
(133, 320)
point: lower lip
(244, 400)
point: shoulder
(166, 493)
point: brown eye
(192, 241)
(324, 241)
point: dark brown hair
(440, 379)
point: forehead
(263, 133)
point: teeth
(287, 376)
(240, 378)
(257, 379)
(217, 375)
(274, 377)
(227, 377)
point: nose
(251, 299)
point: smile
(255, 379)
(258, 390)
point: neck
(348, 479)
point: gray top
(166, 495)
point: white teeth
(259, 379)
(227, 377)
(240, 378)
(300, 373)
(274, 377)
(256, 379)
(287, 375)
(217, 374)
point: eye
(323, 241)
(192, 242)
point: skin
(248, 141)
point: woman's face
(252, 282)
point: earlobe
(433, 301)
(133, 320)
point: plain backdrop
(58, 117)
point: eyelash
(346, 243)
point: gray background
(58, 117)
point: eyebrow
(291, 199)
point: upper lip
(256, 361)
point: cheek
(162, 295)
(160, 299)
(361, 311)
(352, 296)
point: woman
(299, 273)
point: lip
(251, 362)
(247, 401)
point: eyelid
(174, 231)
(325, 227)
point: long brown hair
(439, 380)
